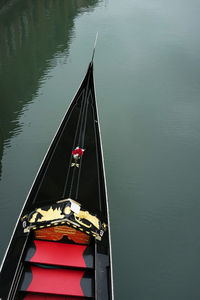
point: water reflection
(32, 33)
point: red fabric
(50, 297)
(56, 281)
(78, 151)
(59, 254)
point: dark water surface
(147, 70)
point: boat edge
(106, 193)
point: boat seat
(37, 296)
(66, 282)
(60, 254)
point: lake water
(147, 72)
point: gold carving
(75, 165)
(47, 215)
(67, 210)
(87, 216)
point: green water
(147, 72)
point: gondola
(61, 248)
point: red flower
(78, 151)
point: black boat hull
(57, 180)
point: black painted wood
(57, 180)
